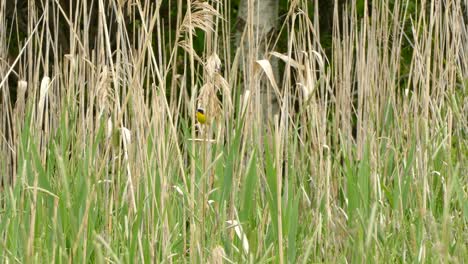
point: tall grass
(365, 160)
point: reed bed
(360, 155)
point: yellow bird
(201, 117)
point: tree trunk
(256, 25)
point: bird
(201, 117)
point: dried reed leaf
(240, 234)
(109, 128)
(319, 60)
(178, 190)
(126, 136)
(20, 98)
(306, 90)
(268, 70)
(43, 91)
(289, 60)
(42, 98)
(245, 102)
(189, 49)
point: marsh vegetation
(332, 135)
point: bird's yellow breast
(201, 117)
